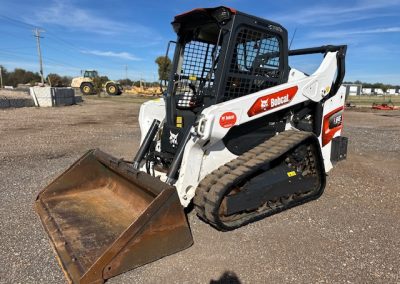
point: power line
(81, 50)
(13, 34)
(24, 55)
(64, 49)
(17, 48)
(27, 25)
(52, 35)
(294, 34)
(31, 56)
(62, 42)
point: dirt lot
(350, 235)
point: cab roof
(208, 15)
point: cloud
(341, 34)
(121, 55)
(72, 17)
(332, 15)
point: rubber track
(211, 190)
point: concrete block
(10, 102)
(4, 102)
(19, 102)
(51, 96)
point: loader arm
(315, 87)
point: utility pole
(126, 72)
(1, 77)
(38, 37)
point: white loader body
(205, 151)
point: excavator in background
(87, 84)
(239, 133)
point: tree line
(382, 86)
(25, 77)
(19, 76)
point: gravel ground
(349, 235)
(14, 93)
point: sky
(122, 37)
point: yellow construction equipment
(86, 84)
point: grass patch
(134, 99)
(368, 100)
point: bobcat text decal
(273, 100)
(228, 119)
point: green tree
(126, 82)
(98, 83)
(21, 76)
(382, 86)
(164, 67)
(57, 81)
(54, 80)
(66, 81)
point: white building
(393, 92)
(366, 91)
(353, 89)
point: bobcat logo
(173, 139)
(264, 104)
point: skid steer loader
(238, 132)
